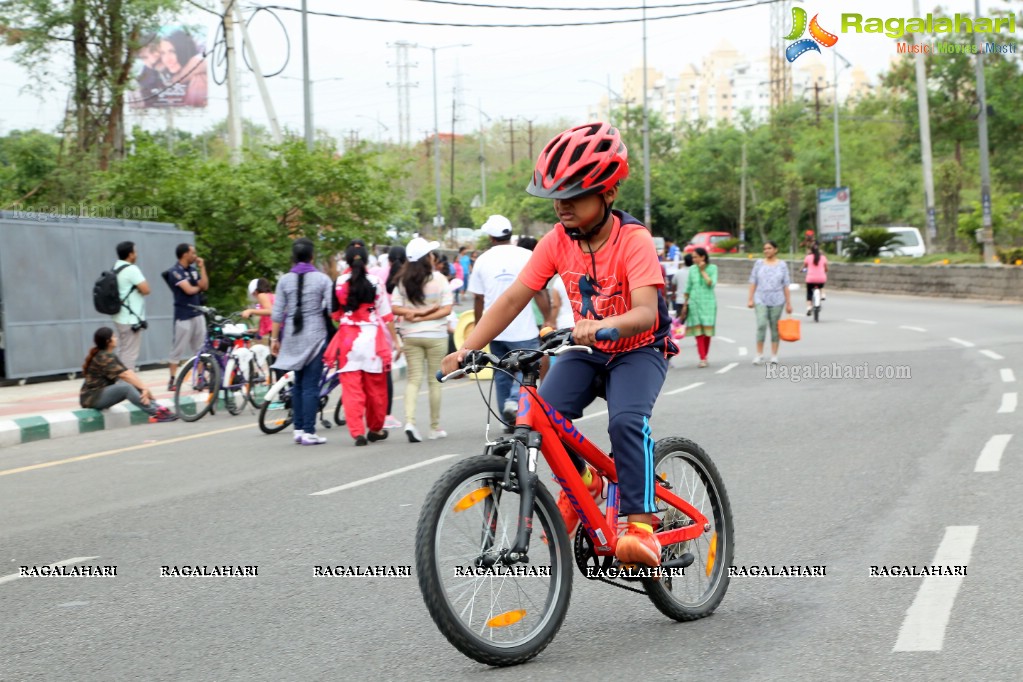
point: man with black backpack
(130, 316)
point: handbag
(788, 329)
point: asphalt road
(844, 473)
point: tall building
(725, 84)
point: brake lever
(567, 349)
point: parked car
(709, 240)
(911, 243)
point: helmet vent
(577, 154)
(608, 173)
(555, 160)
(603, 146)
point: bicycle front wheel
(195, 392)
(504, 615)
(276, 414)
(234, 389)
(693, 477)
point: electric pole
(307, 86)
(454, 119)
(402, 85)
(924, 112)
(234, 117)
(511, 138)
(529, 122)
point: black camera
(143, 324)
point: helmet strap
(595, 229)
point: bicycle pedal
(325, 424)
(683, 561)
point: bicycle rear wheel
(258, 382)
(495, 617)
(195, 392)
(693, 477)
(234, 389)
(276, 414)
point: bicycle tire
(339, 413)
(234, 392)
(276, 414)
(200, 407)
(256, 387)
(817, 314)
(449, 489)
(665, 593)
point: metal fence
(48, 265)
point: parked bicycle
(276, 414)
(225, 367)
(500, 599)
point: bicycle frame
(555, 432)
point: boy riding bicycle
(609, 264)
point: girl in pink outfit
(815, 265)
(363, 347)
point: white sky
(521, 73)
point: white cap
(252, 288)
(498, 227)
(419, 247)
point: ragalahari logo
(818, 34)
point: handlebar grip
(608, 334)
(440, 376)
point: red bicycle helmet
(587, 159)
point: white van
(911, 243)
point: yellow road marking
(106, 453)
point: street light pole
(987, 233)
(646, 137)
(483, 158)
(838, 151)
(307, 86)
(438, 218)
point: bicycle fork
(523, 458)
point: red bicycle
(500, 603)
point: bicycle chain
(583, 549)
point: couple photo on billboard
(170, 71)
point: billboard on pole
(834, 217)
(170, 71)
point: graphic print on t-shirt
(597, 299)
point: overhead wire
(410, 22)
(630, 8)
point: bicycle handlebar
(477, 360)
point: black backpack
(105, 294)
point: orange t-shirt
(627, 261)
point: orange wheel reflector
(471, 499)
(277, 422)
(712, 553)
(506, 619)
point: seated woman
(108, 381)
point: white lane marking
(590, 416)
(1009, 402)
(684, 388)
(991, 456)
(386, 474)
(926, 619)
(1007, 375)
(849, 319)
(66, 562)
(742, 351)
(725, 339)
(727, 367)
(739, 307)
(991, 354)
(965, 344)
(912, 329)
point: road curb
(19, 430)
(30, 428)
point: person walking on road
(130, 321)
(493, 273)
(423, 300)
(815, 265)
(363, 347)
(701, 300)
(108, 381)
(769, 293)
(187, 279)
(301, 305)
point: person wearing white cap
(423, 299)
(497, 269)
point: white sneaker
(312, 439)
(774, 360)
(758, 360)
(413, 434)
(298, 435)
(391, 423)
(438, 433)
